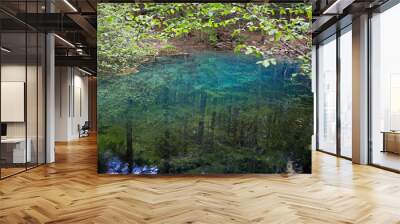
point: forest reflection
(207, 112)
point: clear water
(209, 112)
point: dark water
(210, 112)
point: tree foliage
(130, 34)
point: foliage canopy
(130, 34)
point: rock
(129, 71)
(224, 45)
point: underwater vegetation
(207, 112)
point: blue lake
(207, 112)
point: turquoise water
(208, 112)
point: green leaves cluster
(128, 33)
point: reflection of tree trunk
(213, 122)
(165, 151)
(235, 125)
(255, 132)
(185, 130)
(203, 102)
(165, 96)
(284, 73)
(200, 132)
(228, 121)
(129, 145)
(129, 136)
(186, 94)
(242, 134)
